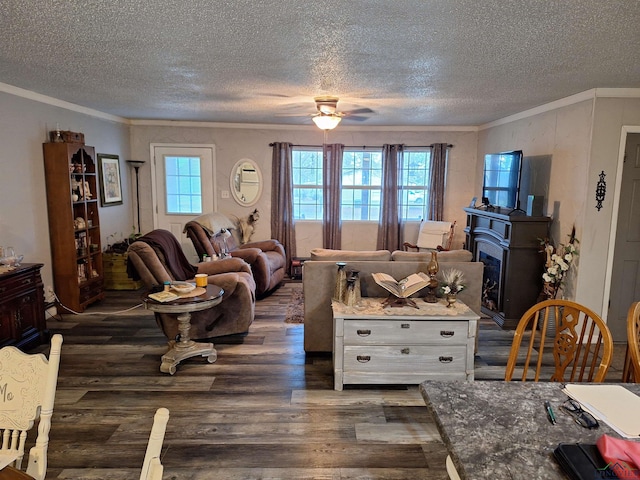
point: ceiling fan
(327, 117)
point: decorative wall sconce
(601, 190)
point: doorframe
(154, 189)
(626, 129)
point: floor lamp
(136, 164)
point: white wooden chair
(27, 392)
(451, 469)
(152, 467)
(433, 235)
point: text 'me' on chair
(631, 370)
(29, 383)
(433, 235)
(579, 351)
(152, 466)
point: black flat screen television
(501, 185)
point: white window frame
(300, 187)
(414, 196)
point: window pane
(361, 170)
(414, 184)
(307, 184)
(183, 185)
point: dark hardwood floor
(263, 410)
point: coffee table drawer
(423, 359)
(395, 332)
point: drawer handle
(447, 333)
(405, 325)
(26, 281)
(363, 358)
(446, 359)
(405, 351)
(363, 333)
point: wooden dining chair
(632, 362)
(579, 349)
(27, 392)
(152, 466)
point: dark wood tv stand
(509, 246)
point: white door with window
(183, 188)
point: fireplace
(508, 246)
(490, 281)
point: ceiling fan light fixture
(326, 122)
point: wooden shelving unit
(74, 224)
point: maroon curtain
(439, 153)
(332, 193)
(282, 224)
(390, 223)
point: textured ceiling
(414, 62)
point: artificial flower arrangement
(557, 263)
(452, 281)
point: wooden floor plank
(263, 410)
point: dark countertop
(495, 430)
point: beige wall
(583, 139)
(23, 206)
(232, 144)
(611, 114)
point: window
(182, 176)
(361, 185)
(307, 184)
(414, 184)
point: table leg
(185, 347)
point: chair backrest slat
(582, 344)
(29, 382)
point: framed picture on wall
(110, 182)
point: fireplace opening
(490, 281)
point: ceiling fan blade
(358, 111)
(293, 115)
(356, 118)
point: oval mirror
(246, 182)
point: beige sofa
(319, 277)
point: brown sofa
(266, 258)
(319, 276)
(233, 275)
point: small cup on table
(201, 280)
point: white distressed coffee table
(402, 345)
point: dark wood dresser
(22, 320)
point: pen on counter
(550, 415)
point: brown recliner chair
(147, 258)
(267, 257)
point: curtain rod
(364, 146)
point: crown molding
(563, 102)
(38, 97)
(547, 107)
(270, 126)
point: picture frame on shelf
(110, 180)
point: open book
(405, 287)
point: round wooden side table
(181, 309)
